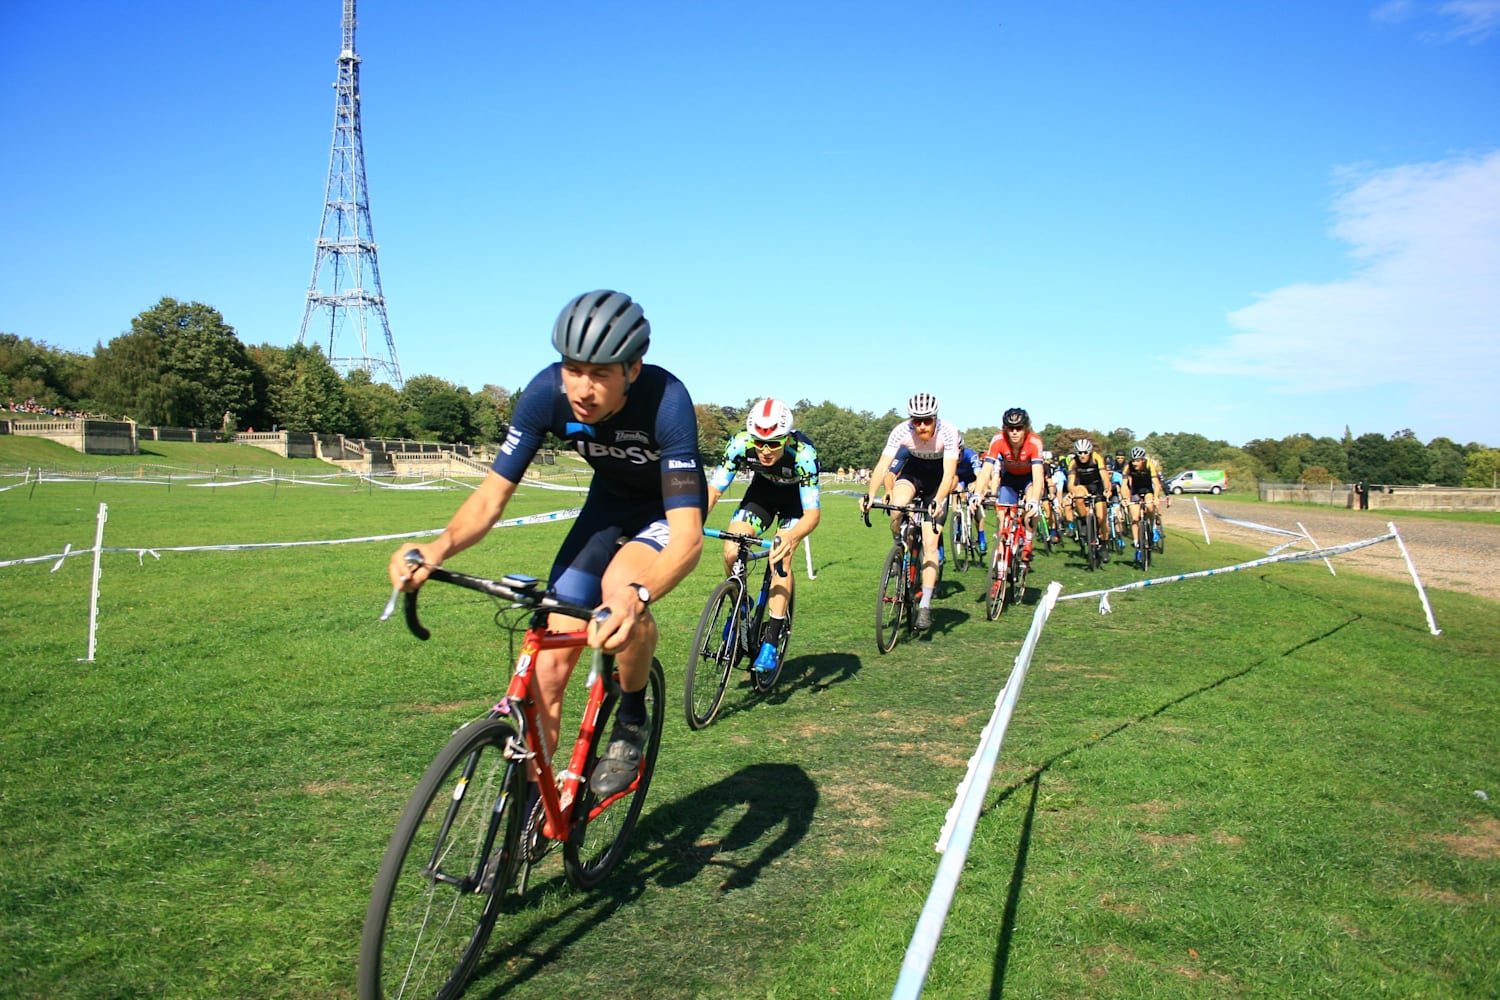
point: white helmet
(923, 404)
(1083, 446)
(769, 418)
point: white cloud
(1419, 312)
(1456, 20)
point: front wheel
(961, 529)
(713, 654)
(453, 855)
(892, 603)
(602, 827)
(998, 584)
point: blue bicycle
(729, 633)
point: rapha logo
(639, 437)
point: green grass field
(1258, 784)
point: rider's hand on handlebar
(406, 576)
(864, 503)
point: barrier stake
(94, 587)
(1412, 568)
(958, 831)
(807, 548)
(1326, 561)
(1201, 522)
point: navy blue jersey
(648, 452)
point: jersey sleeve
(682, 482)
(529, 423)
(809, 490)
(732, 462)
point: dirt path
(1452, 555)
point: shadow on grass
(1034, 781)
(674, 844)
(814, 673)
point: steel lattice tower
(346, 241)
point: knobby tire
(891, 604)
(716, 649)
(439, 891)
(601, 828)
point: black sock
(632, 710)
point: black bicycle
(901, 579)
(729, 632)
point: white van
(1198, 481)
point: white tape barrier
(1268, 560)
(963, 817)
(1332, 550)
(556, 515)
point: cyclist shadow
(671, 846)
(813, 673)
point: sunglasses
(770, 445)
(923, 421)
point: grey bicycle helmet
(923, 404)
(1083, 446)
(1137, 452)
(1016, 417)
(602, 328)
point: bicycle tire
(999, 566)
(1091, 532)
(712, 658)
(601, 830)
(765, 680)
(423, 935)
(1144, 529)
(961, 541)
(1019, 568)
(890, 606)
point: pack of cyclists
(640, 530)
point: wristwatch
(642, 593)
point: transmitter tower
(349, 311)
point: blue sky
(1238, 219)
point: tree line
(182, 365)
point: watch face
(643, 594)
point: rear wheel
(713, 654)
(765, 680)
(892, 604)
(449, 863)
(602, 827)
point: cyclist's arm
(950, 480)
(471, 522)
(877, 478)
(1038, 488)
(787, 539)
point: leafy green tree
(303, 392)
(1183, 451)
(1266, 452)
(1408, 462)
(181, 365)
(1329, 454)
(1482, 467)
(1445, 462)
(1370, 459)
(716, 425)
(374, 407)
(842, 437)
